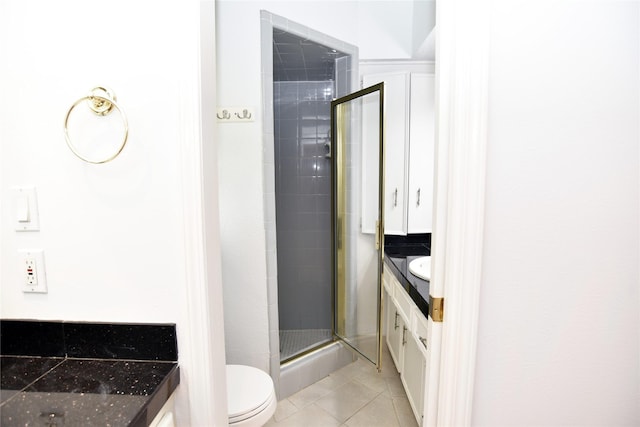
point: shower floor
(296, 341)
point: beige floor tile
(379, 412)
(311, 416)
(388, 367)
(354, 369)
(356, 395)
(395, 386)
(284, 409)
(346, 400)
(334, 380)
(310, 394)
(404, 412)
(374, 381)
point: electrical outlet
(32, 272)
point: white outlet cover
(36, 255)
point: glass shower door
(357, 153)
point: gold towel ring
(101, 101)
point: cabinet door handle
(404, 335)
(395, 198)
(423, 341)
(418, 198)
(395, 322)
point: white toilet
(251, 397)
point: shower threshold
(298, 341)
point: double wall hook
(225, 115)
(235, 114)
(245, 114)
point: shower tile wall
(303, 187)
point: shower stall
(323, 269)
(306, 77)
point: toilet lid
(249, 390)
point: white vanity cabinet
(397, 322)
(409, 151)
(407, 341)
(414, 375)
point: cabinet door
(396, 151)
(413, 374)
(395, 327)
(421, 153)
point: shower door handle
(327, 145)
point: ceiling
(297, 59)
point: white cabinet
(396, 331)
(413, 376)
(407, 342)
(421, 153)
(409, 152)
(396, 152)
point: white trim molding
(462, 57)
(202, 401)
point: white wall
(114, 234)
(559, 332)
(111, 233)
(381, 29)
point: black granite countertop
(398, 254)
(49, 390)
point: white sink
(421, 267)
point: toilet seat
(250, 395)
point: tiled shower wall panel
(303, 206)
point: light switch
(22, 208)
(25, 209)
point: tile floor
(356, 395)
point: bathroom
(251, 321)
(124, 242)
(135, 202)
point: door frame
(462, 88)
(461, 79)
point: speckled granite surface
(67, 391)
(417, 288)
(398, 254)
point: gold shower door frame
(347, 112)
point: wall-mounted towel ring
(101, 101)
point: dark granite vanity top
(119, 375)
(399, 251)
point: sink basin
(421, 267)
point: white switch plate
(32, 271)
(25, 209)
